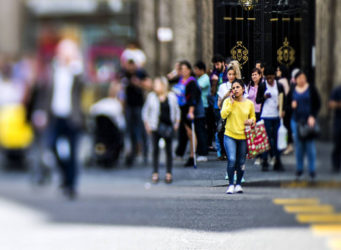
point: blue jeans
(271, 127)
(236, 154)
(303, 147)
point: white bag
(282, 137)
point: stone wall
(192, 25)
(328, 56)
(10, 26)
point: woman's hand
(231, 97)
(176, 127)
(249, 122)
(311, 121)
(294, 104)
(190, 116)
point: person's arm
(145, 114)
(191, 93)
(260, 94)
(252, 116)
(214, 84)
(227, 108)
(175, 104)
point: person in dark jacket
(268, 96)
(304, 102)
(335, 104)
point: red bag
(256, 139)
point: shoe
(202, 158)
(239, 189)
(265, 166)
(190, 162)
(278, 166)
(257, 162)
(312, 176)
(299, 175)
(155, 178)
(288, 150)
(222, 158)
(230, 189)
(169, 178)
(212, 149)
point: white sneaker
(230, 189)
(238, 189)
(202, 158)
(257, 161)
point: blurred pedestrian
(134, 80)
(261, 65)
(218, 76)
(236, 66)
(133, 53)
(205, 86)
(161, 117)
(238, 112)
(174, 76)
(268, 96)
(335, 104)
(252, 89)
(194, 112)
(305, 102)
(66, 114)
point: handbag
(305, 132)
(257, 140)
(282, 137)
(165, 130)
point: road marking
(324, 222)
(327, 229)
(309, 209)
(335, 244)
(310, 201)
(319, 218)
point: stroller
(108, 141)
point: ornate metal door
(274, 31)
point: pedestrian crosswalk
(322, 218)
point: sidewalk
(212, 172)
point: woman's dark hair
(231, 68)
(298, 74)
(255, 70)
(200, 65)
(241, 83)
(188, 65)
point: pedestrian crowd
(205, 109)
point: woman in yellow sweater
(238, 112)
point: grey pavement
(212, 172)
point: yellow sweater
(236, 114)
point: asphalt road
(116, 213)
